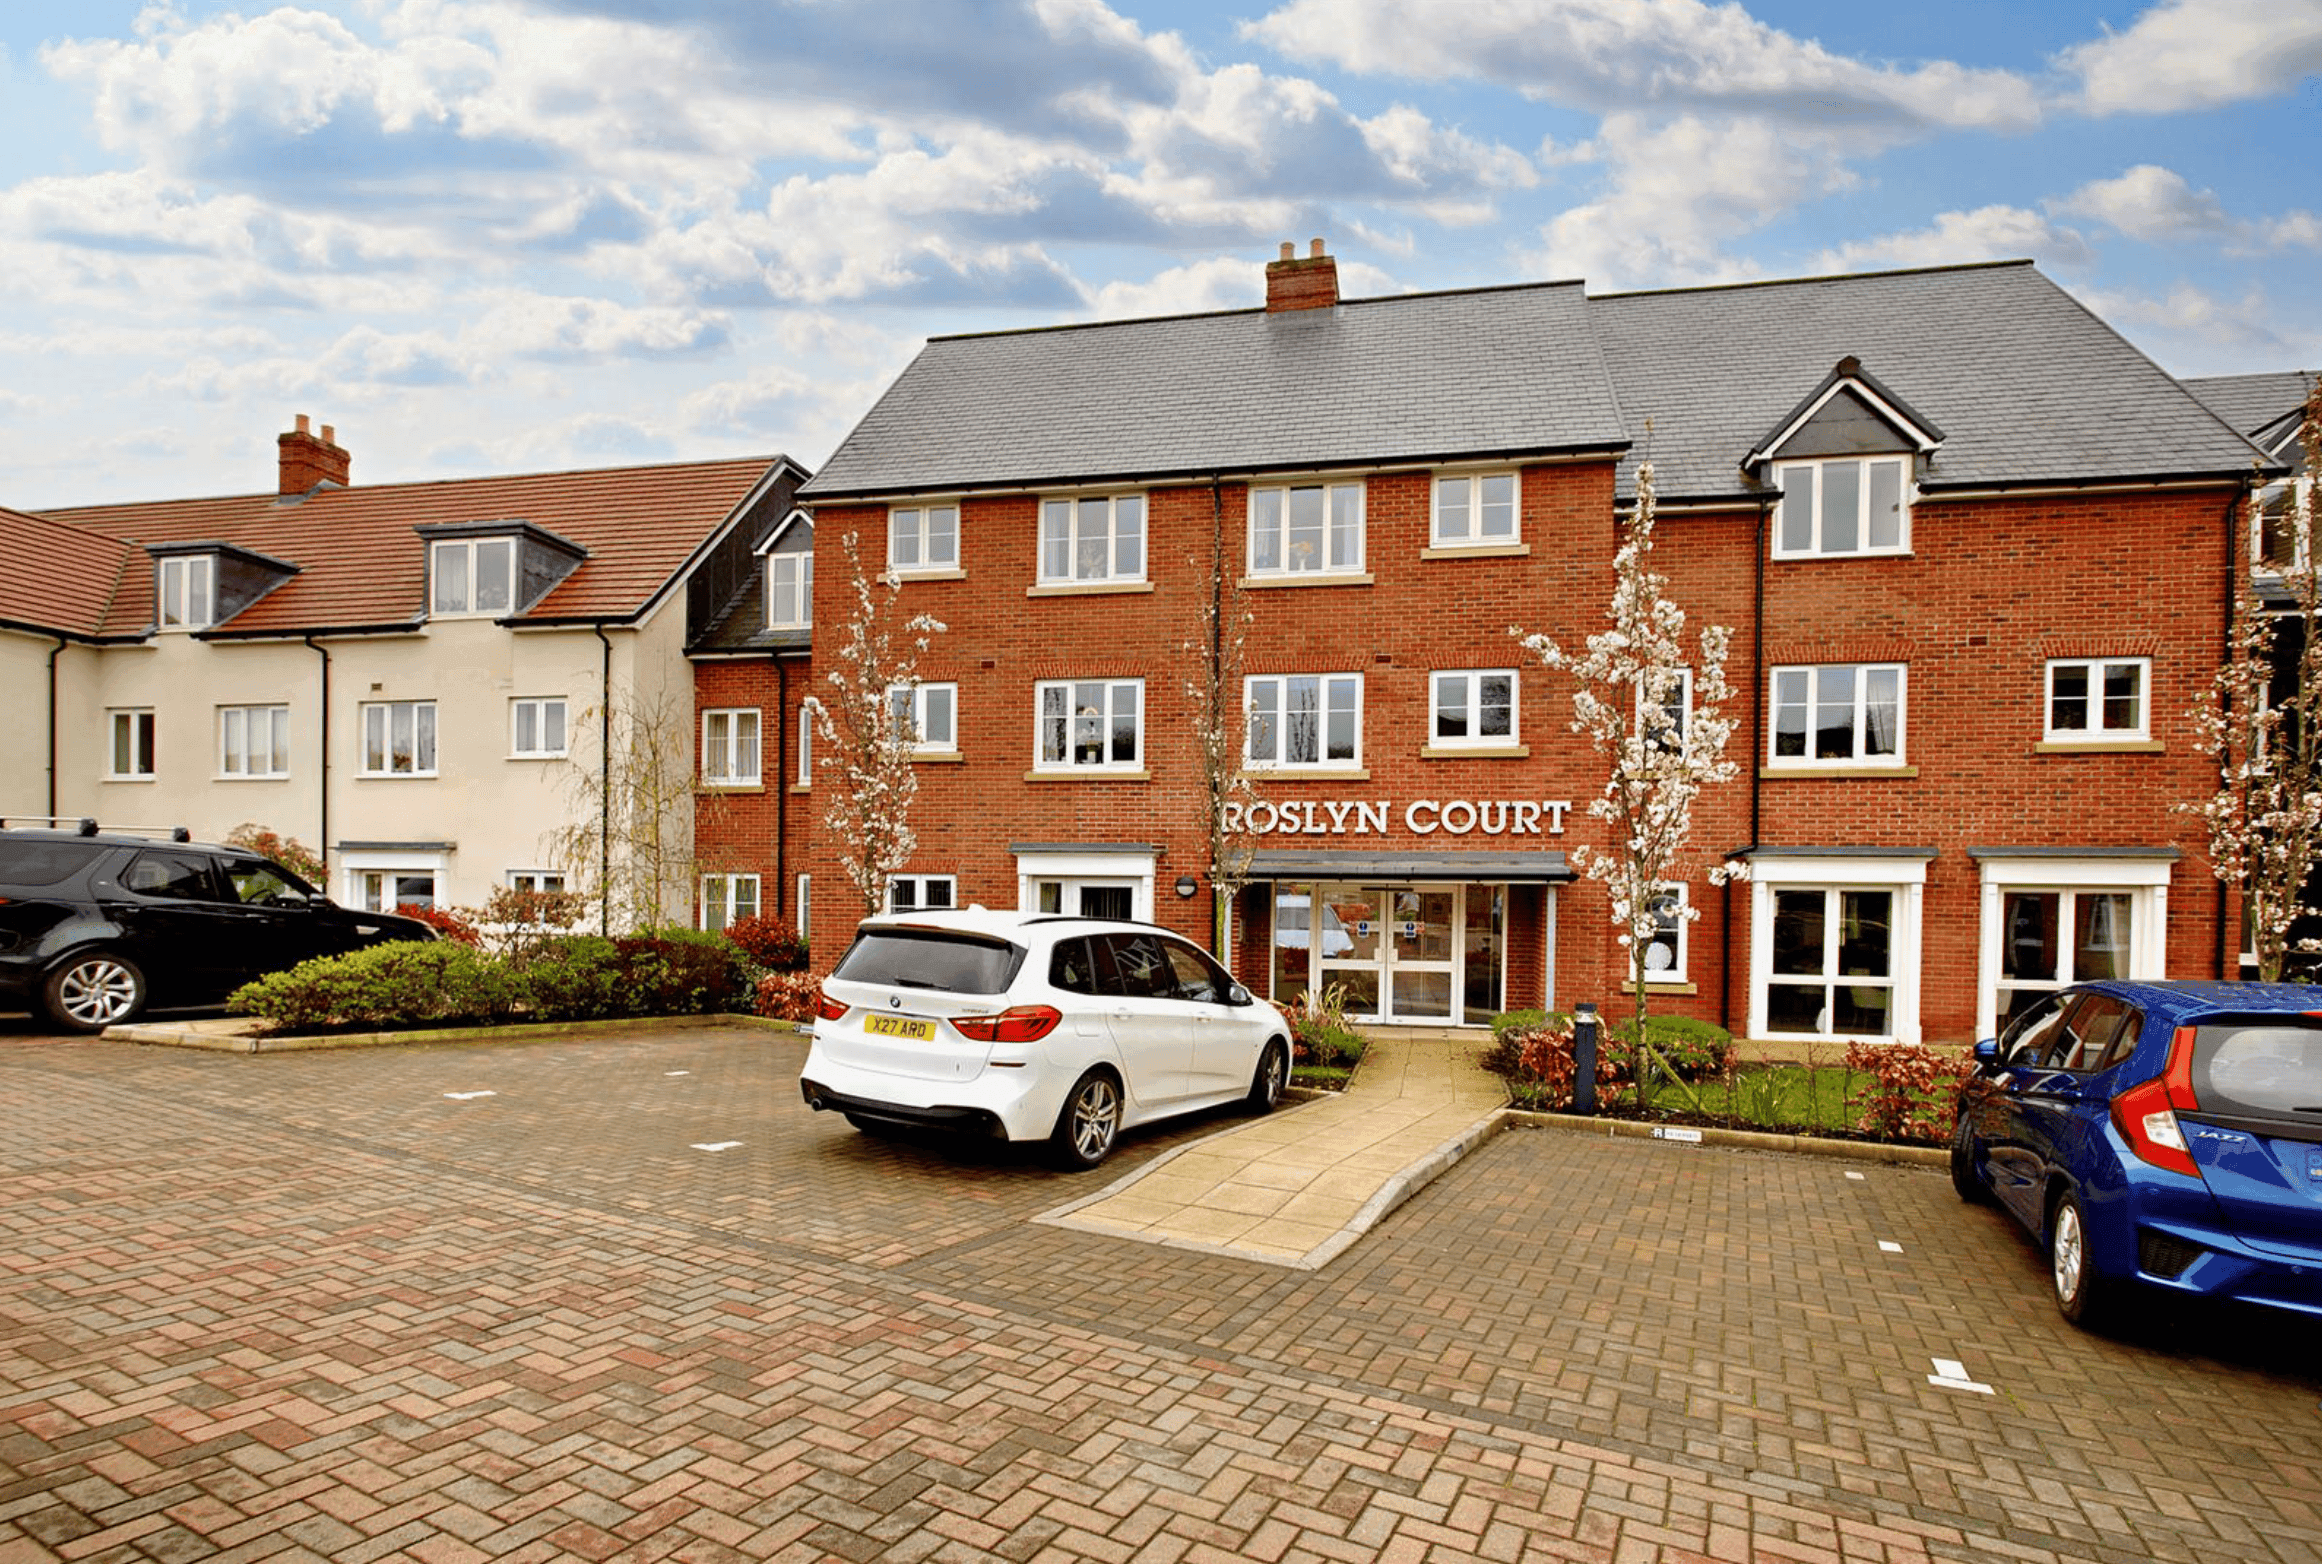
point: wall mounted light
(1187, 885)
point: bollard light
(1584, 1033)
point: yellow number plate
(900, 1026)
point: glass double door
(1394, 949)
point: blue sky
(512, 235)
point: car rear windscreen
(936, 959)
(39, 863)
(2271, 1068)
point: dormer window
(1843, 505)
(186, 594)
(789, 591)
(472, 576)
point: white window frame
(385, 711)
(139, 726)
(539, 705)
(1071, 522)
(185, 591)
(1106, 714)
(368, 884)
(536, 881)
(468, 550)
(2096, 731)
(912, 539)
(723, 893)
(1858, 704)
(920, 885)
(1818, 523)
(1132, 867)
(728, 759)
(802, 907)
(2145, 880)
(1681, 709)
(1273, 551)
(2295, 494)
(1473, 509)
(790, 603)
(238, 751)
(1905, 877)
(1673, 927)
(1470, 682)
(806, 713)
(917, 705)
(1280, 684)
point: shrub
(1319, 1034)
(450, 922)
(573, 977)
(1696, 1050)
(768, 941)
(1913, 1091)
(681, 971)
(1532, 1050)
(788, 996)
(287, 851)
(519, 922)
(382, 988)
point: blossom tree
(1661, 749)
(2260, 722)
(1213, 694)
(867, 734)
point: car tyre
(1963, 1175)
(1273, 1074)
(1090, 1123)
(2083, 1296)
(92, 991)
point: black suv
(96, 925)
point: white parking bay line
(715, 1145)
(1951, 1374)
(469, 1096)
(1889, 1246)
(1857, 1177)
(677, 1072)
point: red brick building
(1975, 549)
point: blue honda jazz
(2163, 1134)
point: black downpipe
(781, 777)
(323, 750)
(54, 653)
(605, 785)
(2233, 514)
(1760, 543)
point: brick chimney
(308, 461)
(1309, 284)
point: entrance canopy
(1295, 865)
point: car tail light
(2146, 1114)
(1016, 1024)
(826, 1007)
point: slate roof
(1489, 371)
(361, 565)
(2254, 404)
(2027, 386)
(55, 576)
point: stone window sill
(1475, 752)
(1837, 773)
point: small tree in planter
(1660, 752)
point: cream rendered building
(413, 676)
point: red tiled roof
(62, 577)
(360, 563)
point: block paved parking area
(637, 1302)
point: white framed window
(2095, 698)
(729, 746)
(1843, 505)
(923, 538)
(1665, 726)
(253, 741)
(803, 905)
(806, 713)
(1472, 709)
(384, 890)
(789, 591)
(540, 882)
(922, 892)
(927, 715)
(727, 899)
(1838, 714)
(471, 575)
(1665, 949)
(1090, 724)
(2050, 919)
(536, 728)
(129, 750)
(1304, 720)
(2282, 526)
(1835, 946)
(186, 591)
(1092, 538)
(1472, 508)
(1307, 529)
(399, 739)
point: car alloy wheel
(95, 992)
(1090, 1121)
(2082, 1296)
(1273, 1074)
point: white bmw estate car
(1031, 1026)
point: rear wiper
(908, 982)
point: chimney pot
(330, 436)
(1314, 250)
(302, 423)
(1288, 249)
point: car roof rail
(86, 825)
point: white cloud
(2196, 331)
(2184, 55)
(2150, 203)
(1613, 55)
(1989, 233)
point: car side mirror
(1237, 995)
(1987, 1055)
